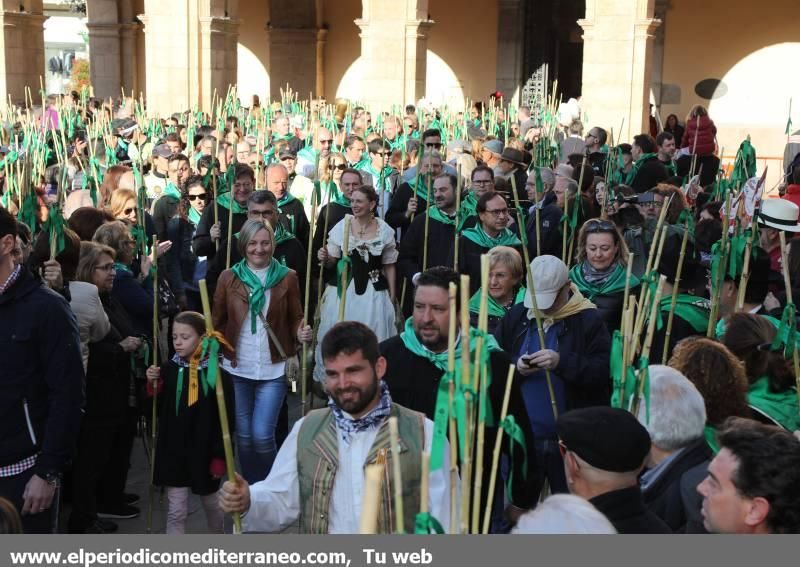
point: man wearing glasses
(308, 158)
(431, 142)
(595, 141)
(384, 177)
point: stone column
(617, 64)
(510, 53)
(129, 57)
(394, 42)
(21, 50)
(190, 49)
(661, 8)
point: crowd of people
(628, 317)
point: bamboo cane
(396, 476)
(427, 224)
(675, 291)
(788, 283)
(745, 277)
(498, 444)
(653, 247)
(466, 460)
(307, 306)
(479, 385)
(651, 327)
(230, 230)
(371, 503)
(459, 188)
(645, 306)
(345, 252)
(627, 323)
(564, 227)
(717, 285)
(425, 481)
(568, 261)
(154, 408)
(222, 409)
(452, 429)
(627, 292)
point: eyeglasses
(436, 145)
(261, 214)
(200, 196)
(382, 154)
(498, 212)
(129, 211)
(593, 226)
(106, 268)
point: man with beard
(416, 365)
(318, 475)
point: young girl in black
(189, 451)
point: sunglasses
(201, 196)
(340, 167)
(599, 226)
(436, 145)
(382, 154)
(129, 211)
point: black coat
(651, 173)
(626, 511)
(204, 246)
(165, 209)
(414, 383)
(584, 346)
(293, 216)
(663, 496)
(469, 261)
(609, 306)
(396, 215)
(440, 246)
(189, 437)
(41, 384)
(181, 260)
(108, 373)
(550, 238)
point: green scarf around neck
(171, 191)
(282, 235)
(477, 235)
(637, 165)
(286, 199)
(494, 308)
(469, 205)
(224, 201)
(420, 186)
(692, 309)
(615, 283)
(193, 215)
(257, 297)
(437, 215)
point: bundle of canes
(222, 409)
(644, 306)
(643, 377)
(479, 384)
(154, 409)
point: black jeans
(549, 465)
(12, 489)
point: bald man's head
(324, 141)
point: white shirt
(275, 501)
(253, 357)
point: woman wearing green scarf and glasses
(506, 275)
(257, 308)
(601, 269)
(185, 268)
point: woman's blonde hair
(119, 197)
(697, 110)
(249, 230)
(601, 226)
(325, 169)
(510, 257)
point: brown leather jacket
(284, 314)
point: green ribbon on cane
(514, 432)
(425, 524)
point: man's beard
(436, 345)
(359, 401)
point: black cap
(609, 439)
(287, 153)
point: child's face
(185, 340)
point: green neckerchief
(494, 308)
(286, 199)
(379, 175)
(281, 234)
(477, 235)
(710, 434)
(285, 137)
(615, 283)
(437, 215)
(419, 185)
(692, 309)
(439, 360)
(779, 406)
(194, 216)
(637, 165)
(469, 206)
(257, 297)
(171, 191)
(54, 227)
(224, 201)
(341, 199)
(120, 267)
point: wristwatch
(52, 478)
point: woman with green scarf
(184, 268)
(771, 394)
(601, 269)
(506, 274)
(257, 309)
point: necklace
(362, 230)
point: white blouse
(382, 244)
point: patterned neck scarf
(348, 426)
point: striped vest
(318, 460)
